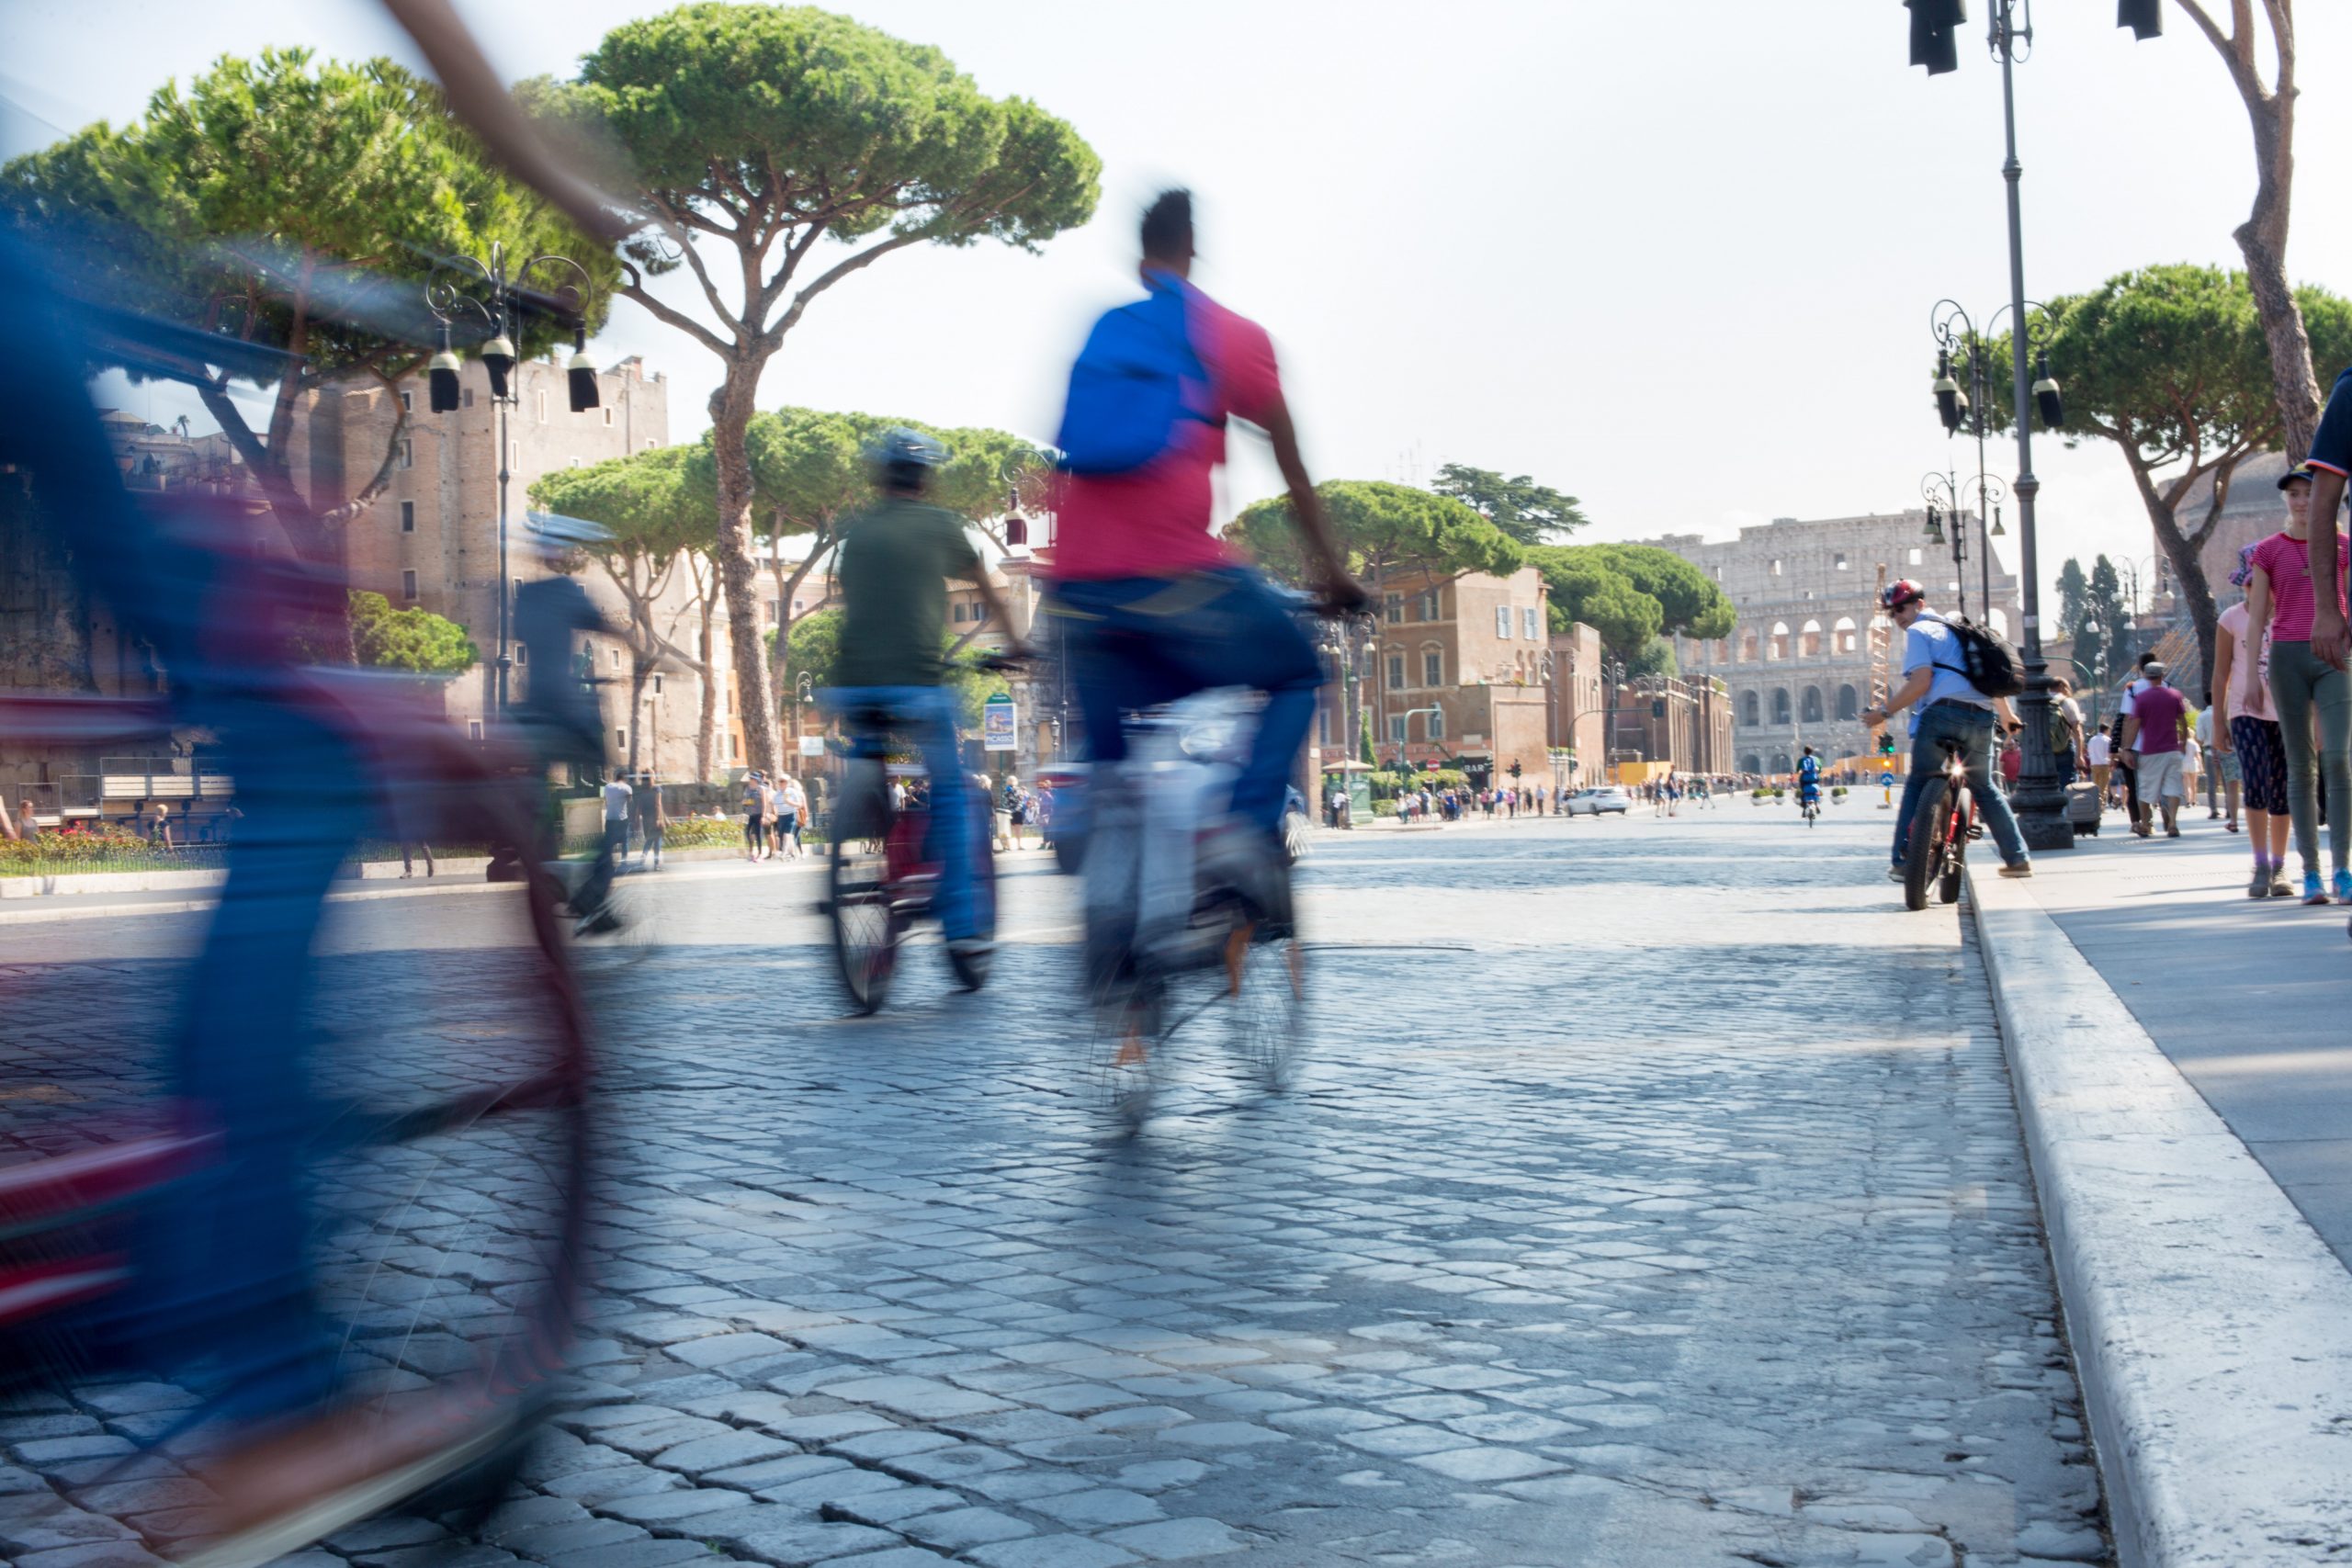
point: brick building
(431, 538)
(1798, 662)
(1458, 671)
(1685, 723)
(1578, 718)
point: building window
(730, 743)
(473, 728)
(1848, 705)
(1915, 557)
(543, 407)
(522, 654)
(1395, 604)
(514, 454)
(1396, 728)
(657, 685)
(1780, 705)
(980, 612)
(621, 737)
(1428, 605)
(616, 659)
(1750, 711)
(1396, 671)
(958, 615)
(1323, 726)
(408, 586)
(1527, 623)
(608, 419)
(1776, 567)
(408, 518)
(408, 454)
(1841, 560)
(408, 403)
(1502, 622)
(518, 586)
(1437, 723)
(1811, 705)
(573, 462)
(1432, 668)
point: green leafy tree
(2169, 363)
(1689, 604)
(658, 512)
(2073, 594)
(1587, 587)
(295, 207)
(1528, 512)
(1388, 531)
(415, 640)
(759, 135)
(1655, 657)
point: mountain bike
(1937, 855)
(1171, 946)
(884, 872)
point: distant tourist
(2153, 737)
(2248, 727)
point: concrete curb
(2211, 1327)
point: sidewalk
(2176, 1054)
(2246, 996)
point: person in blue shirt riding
(1808, 779)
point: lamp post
(2040, 804)
(1949, 496)
(500, 296)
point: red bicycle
(446, 1177)
(1936, 854)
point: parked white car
(1599, 799)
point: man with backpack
(1938, 659)
(1155, 606)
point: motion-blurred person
(894, 563)
(653, 821)
(1155, 606)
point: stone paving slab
(1651, 1195)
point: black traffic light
(1514, 767)
(1887, 743)
(1933, 23)
(2144, 18)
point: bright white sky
(1683, 271)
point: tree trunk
(2182, 551)
(706, 731)
(738, 570)
(2292, 379)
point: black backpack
(1986, 657)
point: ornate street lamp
(497, 295)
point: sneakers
(2313, 892)
(1250, 861)
(2344, 886)
(1894, 873)
(2260, 886)
(2279, 885)
(2017, 869)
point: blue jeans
(1137, 642)
(926, 715)
(1972, 726)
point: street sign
(1000, 725)
(812, 745)
(1886, 781)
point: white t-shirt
(2099, 750)
(616, 793)
(2131, 692)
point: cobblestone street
(1651, 1194)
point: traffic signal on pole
(1933, 23)
(2144, 18)
(1887, 743)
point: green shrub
(701, 832)
(1384, 808)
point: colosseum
(1798, 662)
